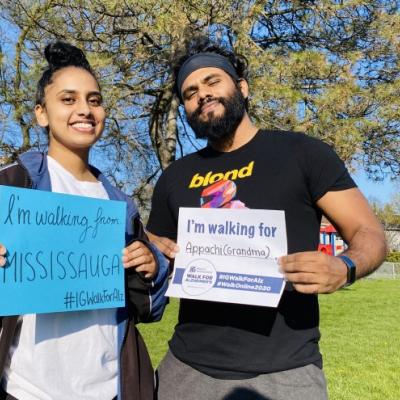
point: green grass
(157, 334)
(360, 342)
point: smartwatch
(351, 270)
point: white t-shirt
(65, 356)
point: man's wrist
(351, 269)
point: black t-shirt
(277, 171)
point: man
(232, 351)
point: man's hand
(3, 252)
(314, 271)
(167, 246)
(137, 255)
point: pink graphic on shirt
(220, 195)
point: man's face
(214, 103)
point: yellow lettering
(209, 178)
(231, 175)
(206, 179)
(216, 177)
(197, 181)
(246, 171)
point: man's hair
(202, 44)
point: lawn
(360, 342)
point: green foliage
(393, 256)
(360, 344)
(328, 68)
(389, 215)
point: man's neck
(243, 134)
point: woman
(96, 354)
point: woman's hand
(3, 252)
(137, 255)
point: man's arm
(316, 272)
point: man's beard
(220, 129)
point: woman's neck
(76, 162)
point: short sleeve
(325, 171)
(161, 220)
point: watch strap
(351, 269)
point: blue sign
(63, 252)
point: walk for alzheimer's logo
(199, 277)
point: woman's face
(73, 110)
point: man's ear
(244, 87)
(41, 116)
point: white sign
(230, 256)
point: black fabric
(5, 396)
(275, 170)
(15, 175)
(203, 60)
(137, 376)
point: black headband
(204, 60)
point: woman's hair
(60, 55)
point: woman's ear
(41, 116)
(244, 87)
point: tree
(328, 68)
(389, 215)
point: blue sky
(381, 191)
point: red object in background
(329, 238)
(325, 248)
(327, 229)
